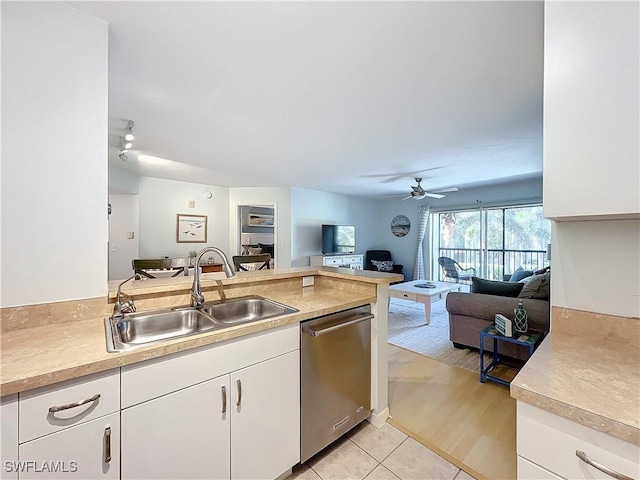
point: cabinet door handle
(224, 399)
(107, 444)
(239, 385)
(612, 473)
(58, 408)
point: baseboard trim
(380, 418)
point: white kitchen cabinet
(550, 442)
(353, 261)
(265, 420)
(184, 434)
(172, 430)
(90, 450)
(9, 437)
(591, 110)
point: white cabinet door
(9, 437)
(183, 435)
(265, 426)
(591, 97)
(90, 450)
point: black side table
(529, 340)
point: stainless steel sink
(238, 311)
(138, 329)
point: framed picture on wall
(260, 220)
(191, 228)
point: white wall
(310, 209)
(516, 192)
(596, 266)
(280, 198)
(123, 219)
(54, 154)
(121, 181)
(159, 203)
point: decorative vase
(520, 320)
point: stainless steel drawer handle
(107, 444)
(317, 333)
(224, 399)
(612, 473)
(58, 408)
(239, 385)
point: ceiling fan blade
(434, 195)
(407, 198)
(446, 190)
(392, 177)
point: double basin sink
(135, 330)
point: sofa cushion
(536, 286)
(495, 287)
(383, 265)
(519, 274)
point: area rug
(407, 329)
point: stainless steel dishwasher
(335, 376)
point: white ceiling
(346, 97)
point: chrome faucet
(120, 308)
(196, 290)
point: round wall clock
(400, 225)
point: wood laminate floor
(446, 408)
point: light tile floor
(373, 453)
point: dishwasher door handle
(322, 331)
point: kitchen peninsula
(43, 345)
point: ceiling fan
(418, 193)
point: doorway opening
(256, 227)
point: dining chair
(240, 262)
(142, 265)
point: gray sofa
(470, 313)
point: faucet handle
(128, 307)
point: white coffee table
(409, 291)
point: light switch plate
(307, 281)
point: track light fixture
(124, 145)
(128, 131)
(121, 136)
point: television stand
(343, 260)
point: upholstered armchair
(381, 261)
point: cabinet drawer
(154, 378)
(404, 295)
(531, 471)
(333, 262)
(36, 420)
(551, 441)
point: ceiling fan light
(129, 136)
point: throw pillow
(519, 274)
(383, 265)
(495, 287)
(254, 251)
(536, 286)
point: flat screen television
(338, 239)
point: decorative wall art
(260, 220)
(400, 225)
(191, 228)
